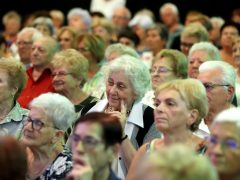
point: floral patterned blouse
(59, 168)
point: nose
(159, 108)
(113, 89)
(80, 147)
(217, 149)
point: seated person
(95, 142)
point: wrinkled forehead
(225, 130)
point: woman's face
(84, 50)
(6, 93)
(162, 71)
(39, 129)
(171, 112)
(66, 40)
(119, 88)
(236, 53)
(63, 81)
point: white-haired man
(219, 78)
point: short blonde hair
(16, 72)
(74, 61)
(178, 59)
(176, 162)
(192, 93)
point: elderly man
(223, 144)
(25, 39)
(219, 78)
(121, 17)
(95, 142)
(199, 53)
(169, 14)
(39, 75)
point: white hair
(84, 14)
(229, 115)
(172, 6)
(36, 34)
(228, 75)
(58, 108)
(211, 50)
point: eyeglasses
(87, 141)
(24, 43)
(210, 86)
(84, 49)
(160, 70)
(36, 124)
(229, 144)
(188, 45)
(60, 74)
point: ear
(194, 113)
(58, 135)
(230, 94)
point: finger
(123, 107)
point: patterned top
(59, 168)
(96, 86)
(12, 124)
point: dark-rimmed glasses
(87, 141)
(210, 86)
(36, 123)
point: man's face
(218, 96)
(194, 61)
(224, 147)
(89, 147)
(24, 44)
(40, 53)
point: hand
(122, 115)
(80, 172)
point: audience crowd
(104, 94)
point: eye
(232, 144)
(121, 86)
(170, 103)
(213, 140)
(110, 83)
(156, 102)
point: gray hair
(58, 108)
(172, 6)
(229, 115)
(209, 48)
(196, 30)
(45, 21)
(121, 49)
(84, 14)
(36, 34)
(228, 75)
(136, 72)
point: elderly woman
(49, 118)
(127, 80)
(44, 25)
(12, 81)
(104, 28)
(180, 107)
(170, 163)
(92, 47)
(69, 74)
(166, 66)
(66, 37)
